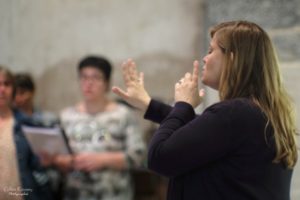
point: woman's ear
(231, 56)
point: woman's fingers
(130, 72)
(135, 75)
(201, 93)
(141, 78)
(118, 91)
(125, 71)
(187, 76)
(195, 71)
(131, 69)
(192, 77)
(133, 80)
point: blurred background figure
(9, 176)
(24, 97)
(24, 100)
(22, 176)
(105, 137)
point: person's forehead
(91, 69)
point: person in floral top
(105, 137)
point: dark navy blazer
(34, 180)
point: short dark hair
(24, 81)
(10, 77)
(97, 62)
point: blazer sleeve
(185, 141)
(157, 111)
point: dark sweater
(222, 154)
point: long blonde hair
(252, 71)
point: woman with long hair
(242, 147)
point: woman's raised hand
(187, 88)
(135, 93)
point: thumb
(118, 91)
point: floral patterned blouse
(107, 131)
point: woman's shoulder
(234, 102)
(240, 114)
(235, 106)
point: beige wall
(48, 38)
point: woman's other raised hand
(186, 89)
(135, 93)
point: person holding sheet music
(105, 137)
(21, 175)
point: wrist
(145, 104)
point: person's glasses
(91, 78)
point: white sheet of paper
(48, 140)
